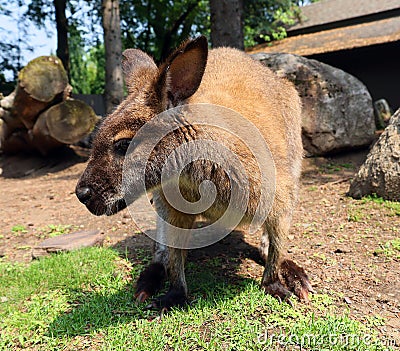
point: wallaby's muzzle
(95, 202)
(83, 194)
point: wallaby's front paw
(173, 298)
(150, 281)
(291, 279)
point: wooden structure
(361, 37)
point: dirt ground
(335, 238)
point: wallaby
(193, 74)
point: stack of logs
(39, 115)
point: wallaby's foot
(175, 297)
(292, 279)
(150, 281)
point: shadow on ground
(34, 165)
(211, 272)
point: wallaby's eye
(121, 146)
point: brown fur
(228, 78)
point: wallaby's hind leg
(167, 262)
(177, 292)
(281, 277)
(153, 277)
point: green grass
(53, 230)
(358, 213)
(331, 168)
(84, 300)
(18, 229)
(390, 249)
(360, 210)
(392, 206)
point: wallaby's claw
(142, 296)
(277, 290)
(150, 281)
(292, 279)
(150, 306)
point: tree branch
(168, 35)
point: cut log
(62, 124)
(8, 118)
(39, 115)
(67, 122)
(380, 174)
(4, 114)
(3, 131)
(40, 138)
(15, 141)
(42, 82)
(8, 101)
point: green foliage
(88, 66)
(155, 27)
(266, 20)
(85, 48)
(158, 26)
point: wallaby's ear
(181, 74)
(138, 68)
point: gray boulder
(380, 173)
(337, 112)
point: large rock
(380, 174)
(337, 108)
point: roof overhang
(356, 36)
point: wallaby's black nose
(83, 194)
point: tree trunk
(62, 34)
(380, 174)
(227, 23)
(113, 92)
